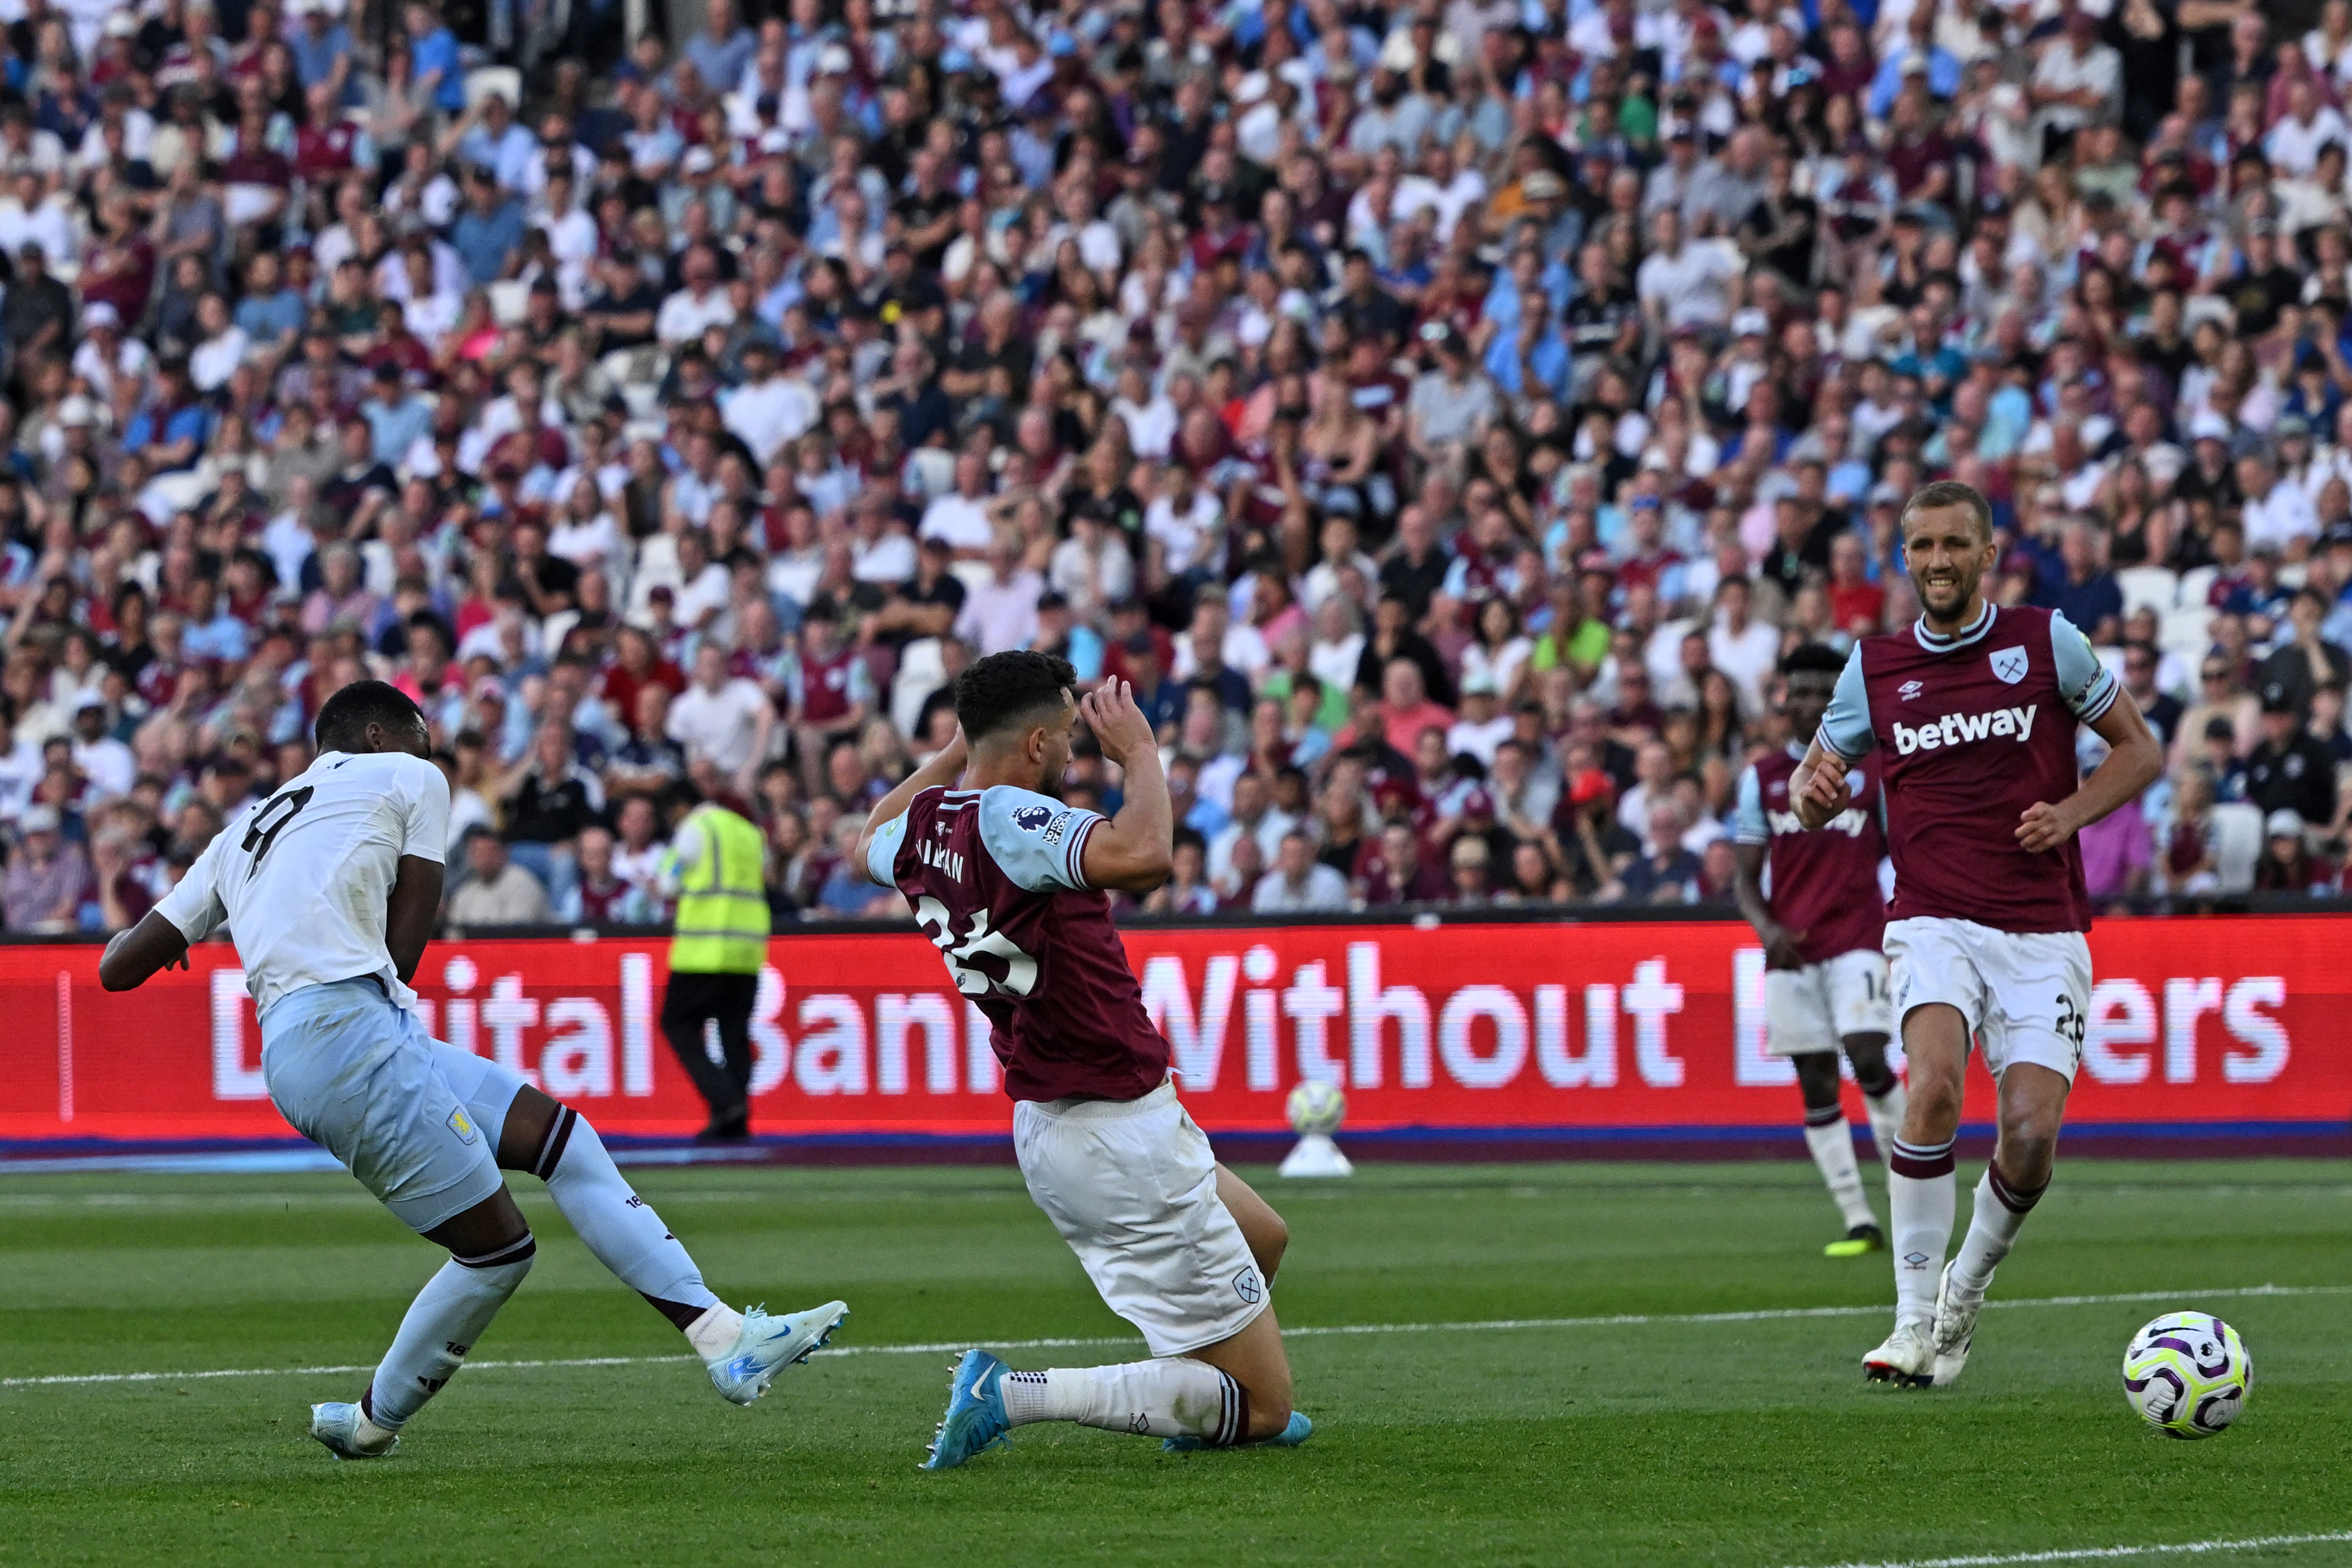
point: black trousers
(690, 1001)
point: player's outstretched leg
(2032, 1102)
(743, 1352)
(1227, 1395)
(1832, 1143)
(490, 1250)
(1222, 1396)
(1920, 1192)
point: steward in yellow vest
(718, 863)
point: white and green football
(1316, 1106)
(2187, 1375)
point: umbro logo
(1910, 689)
(1915, 1260)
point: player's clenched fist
(2044, 826)
(1119, 726)
(1823, 796)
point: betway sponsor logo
(1953, 729)
(1852, 822)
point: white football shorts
(1814, 1008)
(1132, 1187)
(417, 1121)
(2025, 996)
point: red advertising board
(2224, 1022)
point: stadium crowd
(1444, 414)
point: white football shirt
(302, 880)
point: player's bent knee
(1271, 1241)
(533, 1118)
(1268, 1412)
(1868, 1055)
(1817, 1079)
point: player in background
(330, 890)
(1008, 883)
(1973, 709)
(1825, 977)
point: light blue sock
(448, 1316)
(620, 1228)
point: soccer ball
(2187, 1375)
(1315, 1107)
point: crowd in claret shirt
(1444, 414)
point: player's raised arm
(945, 767)
(1132, 851)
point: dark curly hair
(996, 692)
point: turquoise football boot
(976, 1418)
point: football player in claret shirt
(1973, 710)
(1008, 883)
(1821, 921)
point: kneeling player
(1821, 921)
(1006, 883)
(330, 890)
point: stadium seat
(643, 366)
(181, 490)
(2186, 632)
(504, 80)
(2152, 588)
(921, 671)
(2237, 846)
(935, 469)
(2210, 308)
(2195, 585)
(509, 298)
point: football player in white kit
(330, 888)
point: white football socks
(1921, 1196)
(448, 1316)
(1171, 1397)
(1833, 1146)
(2000, 1211)
(620, 1228)
(714, 1333)
(1886, 1118)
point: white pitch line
(1489, 1325)
(2094, 1553)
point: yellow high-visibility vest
(722, 903)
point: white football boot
(348, 1434)
(766, 1345)
(1908, 1359)
(1956, 1326)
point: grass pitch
(1660, 1440)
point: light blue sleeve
(882, 852)
(1747, 824)
(1036, 839)
(2088, 686)
(1846, 727)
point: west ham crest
(2009, 663)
